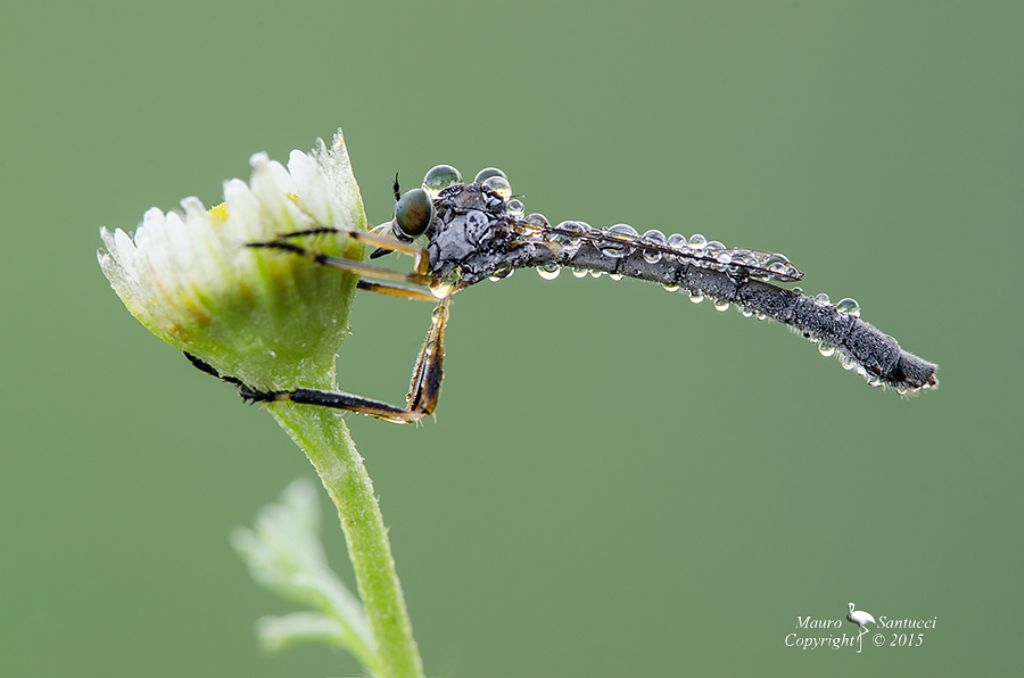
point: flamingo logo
(860, 618)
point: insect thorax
(473, 236)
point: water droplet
(537, 219)
(821, 298)
(742, 257)
(500, 186)
(595, 274)
(712, 248)
(774, 257)
(615, 250)
(696, 297)
(826, 349)
(623, 232)
(743, 260)
(441, 289)
(656, 237)
(549, 271)
(776, 265)
(798, 290)
(721, 305)
(760, 316)
(670, 287)
(746, 312)
(847, 361)
(502, 273)
(848, 306)
(515, 207)
(677, 241)
(439, 178)
(615, 276)
(621, 238)
(571, 232)
(579, 272)
(488, 172)
(698, 241)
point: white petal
(193, 207)
(244, 223)
(152, 229)
(124, 251)
(274, 189)
(311, 186)
(346, 205)
(178, 240)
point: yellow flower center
(219, 212)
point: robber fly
(460, 233)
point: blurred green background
(617, 482)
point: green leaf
(284, 554)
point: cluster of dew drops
(617, 241)
(623, 239)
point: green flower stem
(324, 437)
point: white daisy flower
(258, 315)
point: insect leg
(395, 291)
(424, 388)
(206, 367)
(350, 265)
(420, 259)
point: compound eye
(414, 212)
